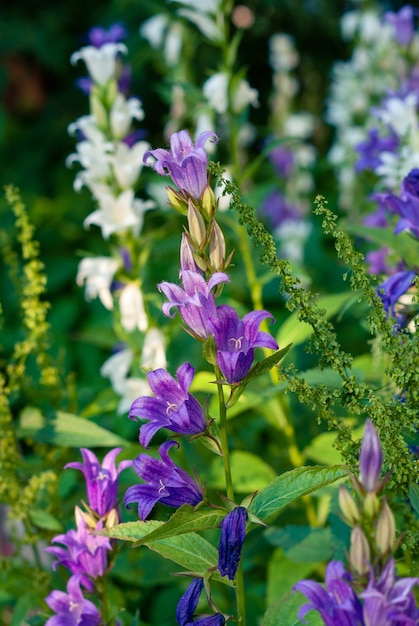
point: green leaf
(43, 519)
(292, 485)
(185, 520)
(295, 331)
(65, 429)
(283, 573)
(258, 370)
(250, 472)
(414, 496)
(285, 612)
(303, 544)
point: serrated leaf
(259, 369)
(293, 485)
(185, 520)
(285, 612)
(65, 429)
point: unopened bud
(359, 552)
(217, 247)
(370, 459)
(177, 201)
(88, 518)
(385, 532)
(208, 202)
(348, 506)
(112, 519)
(98, 109)
(196, 225)
(371, 505)
(187, 259)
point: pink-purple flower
(72, 608)
(236, 339)
(195, 302)
(165, 482)
(173, 407)
(101, 479)
(186, 163)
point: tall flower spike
(173, 407)
(233, 532)
(236, 339)
(165, 482)
(72, 608)
(195, 301)
(370, 459)
(186, 163)
(101, 480)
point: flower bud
(98, 108)
(112, 519)
(359, 552)
(208, 202)
(370, 459)
(348, 506)
(385, 532)
(88, 518)
(217, 247)
(177, 200)
(371, 505)
(196, 225)
(187, 258)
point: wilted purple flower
(186, 163)
(72, 608)
(165, 482)
(371, 149)
(402, 23)
(187, 606)
(233, 532)
(85, 554)
(101, 480)
(370, 459)
(173, 407)
(236, 339)
(337, 603)
(195, 301)
(393, 288)
(98, 36)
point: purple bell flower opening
(186, 163)
(72, 608)
(173, 407)
(187, 605)
(165, 482)
(236, 339)
(392, 289)
(101, 480)
(233, 533)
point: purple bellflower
(173, 407)
(187, 605)
(233, 532)
(186, 163)
(392, 289)
(85, 554)
(370, 459)
(337, 603)
(101, 480)
(407, 205)
(72, 608)
(402, 23)
(165, 482)
(236, 339)
(195, 301)
(371, 149)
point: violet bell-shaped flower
(195, 302)
(173, 407)
(233, 533)
(236, 339)
(165, 482)
(101, 479)
(186, 163)
(391, 290)
(187, 605)
(72, 608)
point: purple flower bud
(195, 301)
(236, 339)
(233, 532)
(101, 480)
(173, 406)
(165, 482)
(98, 36)
(186, 163)
(187, 606)
(72, 608)
(370, 459)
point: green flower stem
(240, 596)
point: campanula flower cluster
(367, 592)
(85, 554)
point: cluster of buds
(186, 164)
